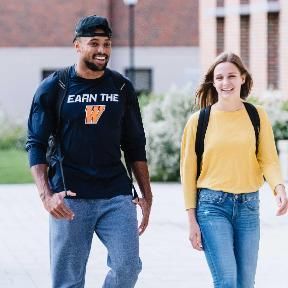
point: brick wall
(157, 23)
(31, 23)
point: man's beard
(92, 66)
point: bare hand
(54, 204)
(195, 236)
(146, 208)
(281, 200)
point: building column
(207, 33)
(283, 48)
(232, 26)
(258, 45)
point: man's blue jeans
(230, 230)
(115, 223)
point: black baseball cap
(86, 27)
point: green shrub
(164, 118)
(277, 110)
(12, 134)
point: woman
(223, 202)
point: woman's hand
(281, 200)
(195, 236)
(194, 231)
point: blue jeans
(115, 223)
(230, 231)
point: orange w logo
(93, 113)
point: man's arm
(53, 202)
(140, 170)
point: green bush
(277, 110)
(12, 135)
(164, 118)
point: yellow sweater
(229, 161)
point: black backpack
(203, 124)
(54, 148)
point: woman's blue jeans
(115, 223)
(230, 231)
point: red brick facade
(33, 23)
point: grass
(14, 167)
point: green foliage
(13, 159)
(280, 130)
(12, 134)
(14, 167)
(14, 137)
(164, 118)
(277, 110)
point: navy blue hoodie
(96, 122)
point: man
(96, 120)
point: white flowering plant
(276, 107)
(164, 118)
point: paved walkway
(168, 259)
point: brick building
(36, 38)
(256, 30)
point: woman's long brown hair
(207, 95)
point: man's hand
(55, 205)
(146, 208)
(140, 170)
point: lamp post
(131, 4)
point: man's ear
(77, 45)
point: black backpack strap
(255, 119)
(63, 81)
(203, 121)
(63, 76)
(120, 83)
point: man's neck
(86, 73)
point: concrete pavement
(168, 259)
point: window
(220, 3)
(272, 50)
(244, 38)
(220, 21)
(142, 79)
